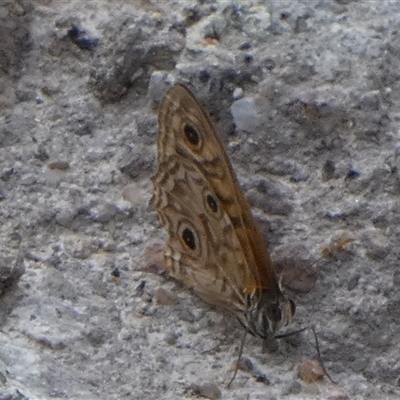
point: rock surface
(305, 96)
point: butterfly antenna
(239, 359)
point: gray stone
(305, 97)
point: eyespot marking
(192, 135)
(212, 203)
(189, 238)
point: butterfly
(215, 245)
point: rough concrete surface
(306, 97)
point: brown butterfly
(215, 246)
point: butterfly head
(267, 312)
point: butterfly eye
(192, 135)
(212, 203)
(188, 238)
(275, 313)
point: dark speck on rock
(352, 174)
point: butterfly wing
(215, 245)
(203, 250)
